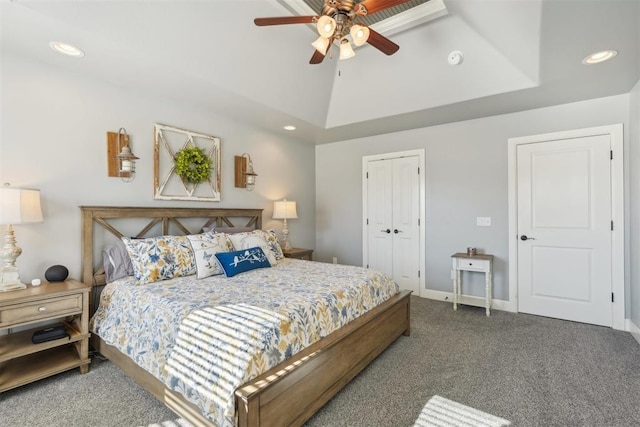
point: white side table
(480, 263)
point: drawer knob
(42, 309)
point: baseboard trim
(633, 329)
(496, 304)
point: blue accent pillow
(243, 260)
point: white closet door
(393, 212)
(380, 214)
(406, 230)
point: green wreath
(192, 165)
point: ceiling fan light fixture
(326, 26)
(321, 45)
(346, 51)
(360, 34)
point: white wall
(466, 177)
(634, 190)
(53, 137)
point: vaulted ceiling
(518, 55)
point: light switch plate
(483, 221)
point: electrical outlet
(483, 221)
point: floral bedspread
(206, 337)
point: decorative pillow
(251, 240)
(205, 246)
(116, 262)
(243, 260)
(272, 240)
(160, 258)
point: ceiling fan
(337, 20)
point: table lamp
(285, 210)
(17, 206)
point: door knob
(386, 231)
(397, 231)
(524, 237)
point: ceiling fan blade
(281, 20)
(373, 6)
(317, 57)
(382, 43)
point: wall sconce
(121, 162)
(245, 177)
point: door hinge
(612, 298)
(367, 175)
(611, 155)
(418, 171)
(418, 273)
(418, 222)
(367, 265)
(367, 221)
(611, 225)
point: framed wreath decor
(192, 165)
(186, 165)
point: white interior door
(380, 216)
(393, 215)
(406, 231)
(564, 229)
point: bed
(287, 393)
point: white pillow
(205, 246)
(251, 240)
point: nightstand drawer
(472, 264)
(37, 310)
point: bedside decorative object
(186, 165)
(56, 273)
(285, 210)
(121, 162)
(245, 177)
(17, 206)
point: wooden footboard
(290, 393)
(293, 391)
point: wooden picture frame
(167, 184)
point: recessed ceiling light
(289, 127)
(598, 57)
(66, 49)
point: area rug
(441, 412)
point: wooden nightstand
(299, 253)
(21, 361)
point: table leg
(488, 280)
(456, 285)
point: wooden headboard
(154, 221)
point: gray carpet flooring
(533, 371)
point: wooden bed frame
(291, 392)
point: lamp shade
(19, 205)
(284, 210)
(346, 51)
(326, 26)
(321, 45)
(360, 34)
